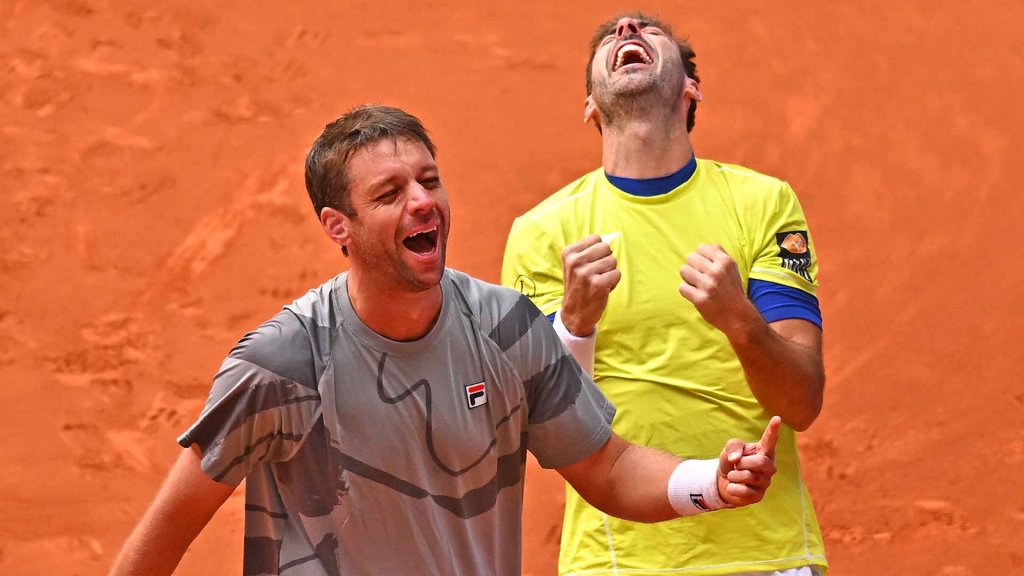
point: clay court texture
(152, 210)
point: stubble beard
(393, 273)
(637, 95)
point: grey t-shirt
(363, 455)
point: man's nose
(626, 26)
(420, 199)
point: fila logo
(476, 394)
(698, 501)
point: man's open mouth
(631, 53)
(422, 242)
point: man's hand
(711, 280)
(745, 470)
(590, 274)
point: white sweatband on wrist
(693, 487)
(581, 347)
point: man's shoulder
(753, 191)
(579, 190)
(481, 295)
(490, 304)
(317, 303)
(737, 174)
(294, 343)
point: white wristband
(693, 487)
(581, 348)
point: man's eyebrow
(430, 170)
(381, 182)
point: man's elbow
(810, 411)
(802, 423)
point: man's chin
(423, 279)
(634, 84)
(423, 273)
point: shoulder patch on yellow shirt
(795, 252)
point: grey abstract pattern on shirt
(366, 456)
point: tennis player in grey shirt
(381, 421)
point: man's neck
(398, 315)
(646, 145)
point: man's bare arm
(783, 365)
(632, 482)
(183, 506)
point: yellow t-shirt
(675, 379)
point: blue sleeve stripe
(551, 317)
(777, 302)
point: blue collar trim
(654, 186)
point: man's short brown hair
(327, 161)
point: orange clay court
(152, 210)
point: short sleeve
(533, 265)
(263, 403)
(784, 252)
(569, 417)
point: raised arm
(646, 485)
(782, 360)
(183, 506)
(590, 273)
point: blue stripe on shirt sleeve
(551, 317)
(778, 302)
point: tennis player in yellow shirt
(688, 288)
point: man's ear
(692, 90)
(337, 226)
(591, 113)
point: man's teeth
(631, 49)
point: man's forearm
(643, 484)
(783, 366)
(628, 481)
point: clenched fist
(590, 273)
